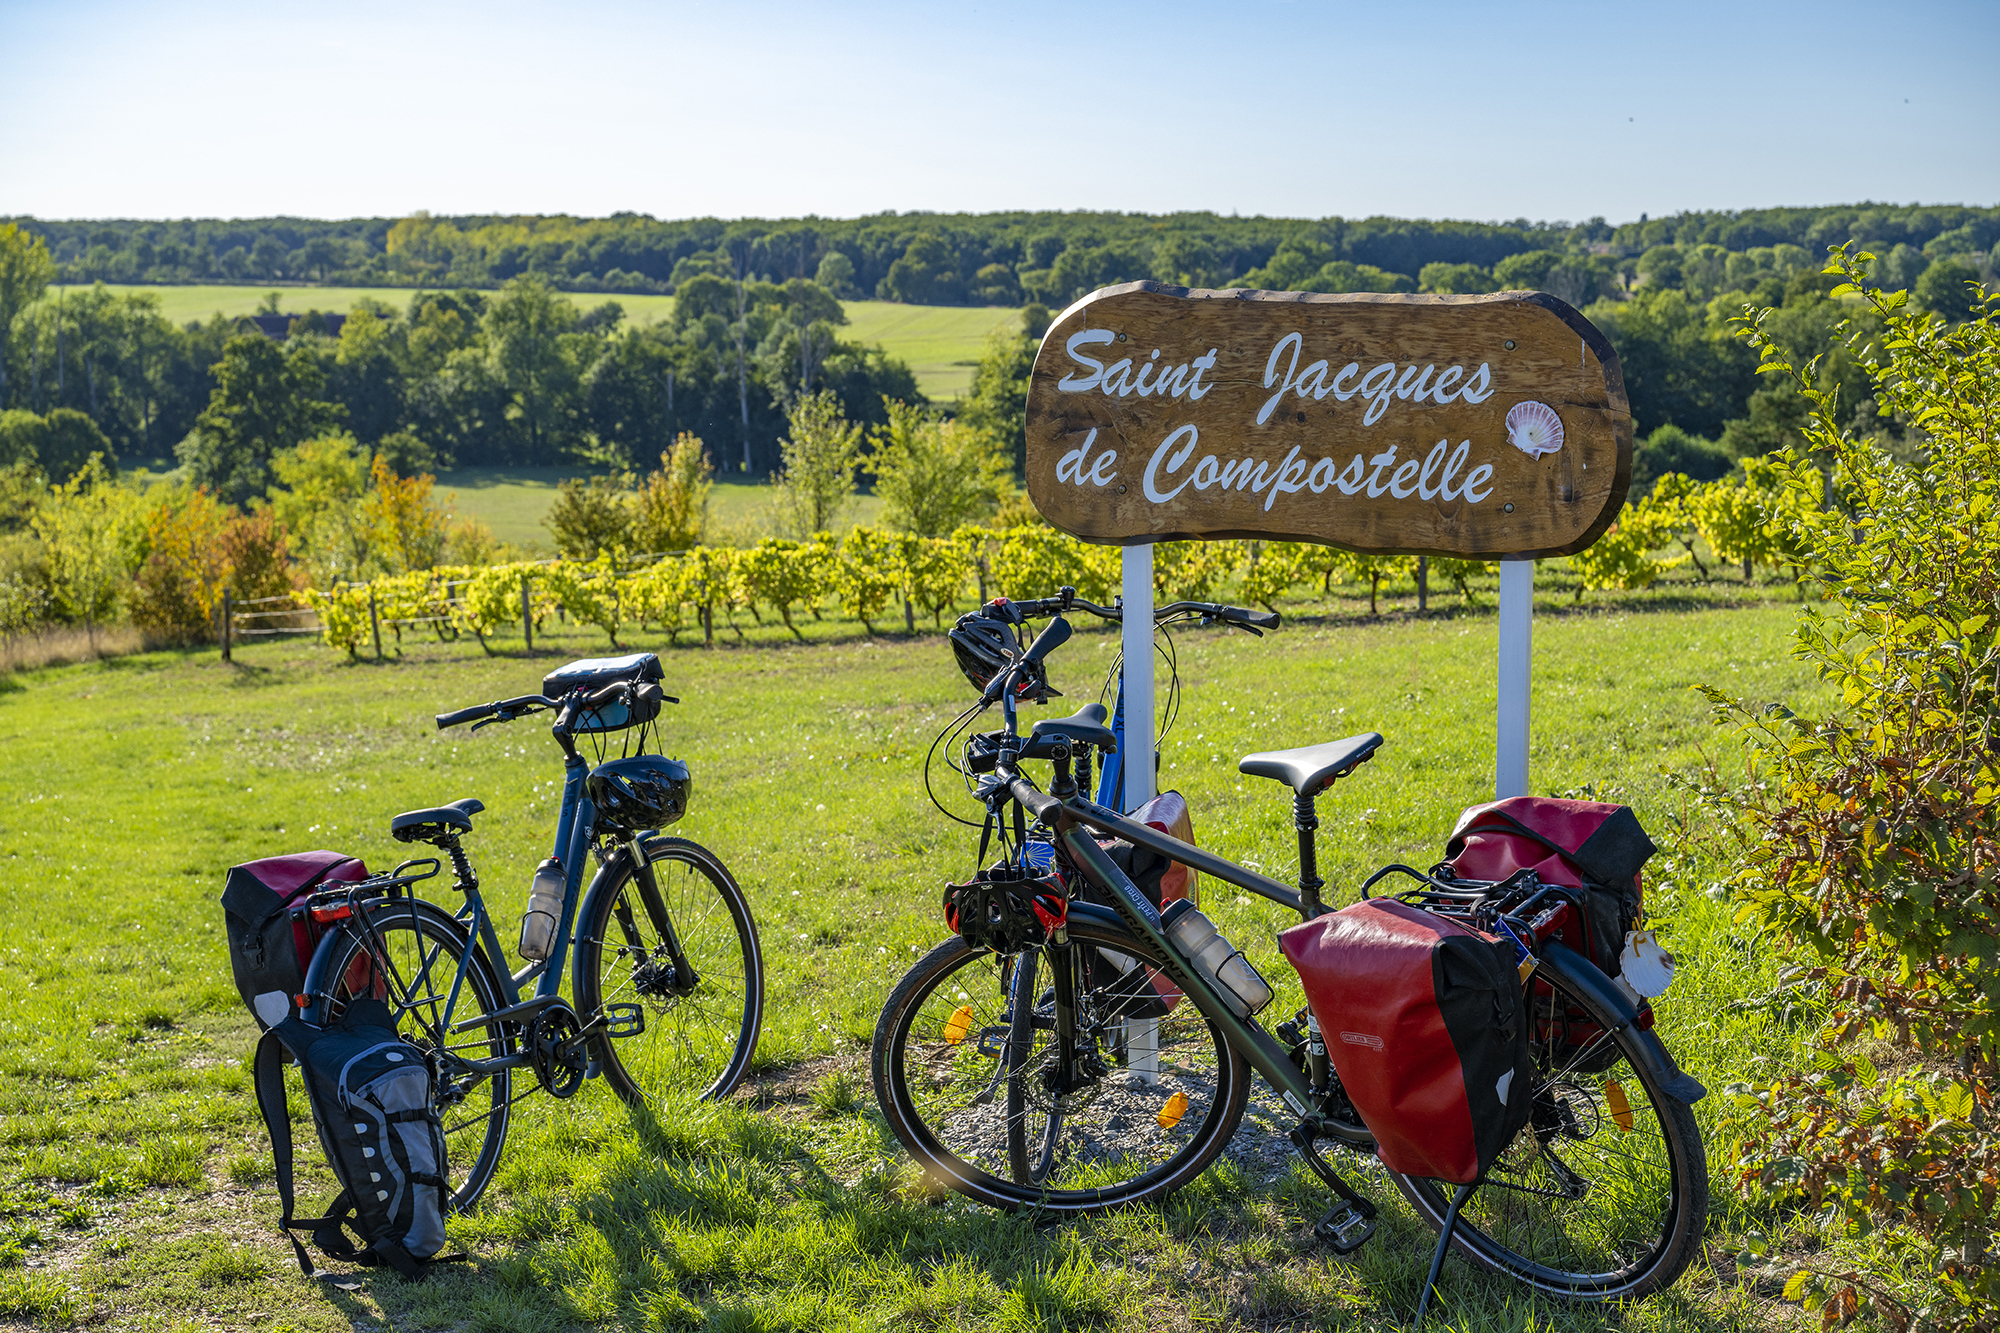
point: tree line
(987, 258)
(522, 375)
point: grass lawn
(940, 344)
(133, 1169)
(514, 500)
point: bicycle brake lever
(489, 721)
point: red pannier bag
(1422, 1019)
(1128, 989)
(1590, 846)
(271, 934)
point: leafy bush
(671, 510)
(1870, 837)
(866, 577)
(588, 592)
(1623, 556)
(591, 517)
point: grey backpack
(371, 1097)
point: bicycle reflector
(1006, 910)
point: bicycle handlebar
(1037, 803)
(1013, 612)
(506, 710)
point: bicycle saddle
(441, 822)
(1311, 769)
(1084, 727)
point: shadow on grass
(711, 1216)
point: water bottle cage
(1006, 910)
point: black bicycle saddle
(1311, 769)
(1084, 727)
(441, 822)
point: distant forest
(988, 258)
(488, 364)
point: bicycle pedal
(993, 1042)
(624, 1020)
(1346, 1229)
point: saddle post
(1306, 820)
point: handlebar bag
(594, 673)
(271, 934)
(1591, 846)
(1422, 1019)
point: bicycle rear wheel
(698, 1034)
(1603, 1195)
(409, 955)
(1002, 1128)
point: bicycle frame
(1076, 817)
(576, 827)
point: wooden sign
(1475, 426)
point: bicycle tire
(1219, 1078)
(706, 1038)
(421, 1017)
(1664, 1175)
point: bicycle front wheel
(967, 1068)
(410, 954)
(696, 1029)
(1603, 1195)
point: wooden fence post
(1423, 583)
(228, 620)
(375, 622)
(527, 615)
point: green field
(513, 502)
(133, 1170)
(940, 344)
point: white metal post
(1142, 1036)
(1517, 622)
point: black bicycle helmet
(984, 648)
(645, 791)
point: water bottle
(1210, 954)
(545, 897)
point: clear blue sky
(1482, 110)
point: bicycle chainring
(556, 1049)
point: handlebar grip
(1261, 619)
(472, 714)
(1039, 804)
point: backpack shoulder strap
(268, 1074)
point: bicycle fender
(1582, 974)
(607, 874)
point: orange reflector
(1621, 1110)
(958, 1024)
(1176, 1107)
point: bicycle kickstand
(1458, 1199)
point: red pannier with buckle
(1422, 1019)
(271, 934)
(1590, 846)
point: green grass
(129, 1136)
(513, 501)
(940, 344)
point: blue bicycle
(669, 981)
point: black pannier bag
(372, 1103)
(1422, 1020)
(271, 933)
(1593, 847)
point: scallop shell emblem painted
(1534, 429)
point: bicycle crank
(556, 1049)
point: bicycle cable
(952, 730)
